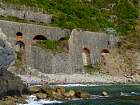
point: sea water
(119, 94)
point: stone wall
(50, 62)
(30, 30)
(93, 41)
(26, 13)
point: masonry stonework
(67, 62)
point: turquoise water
(119, 94)
(130, 95)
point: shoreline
(78, 79)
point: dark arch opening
(64, 38)
(39, 37)
(105, 51)
(61, 39)
(86, 50)
(19, 34)
(21, 44)
(86, 56)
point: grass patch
(92, 69)
(50, 44)
(18, 59)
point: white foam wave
(81, 85)
(134, 93)
(32, 100)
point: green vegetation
(48, 44)
(19, 59)
(51, 44)
(96, 15)
(92, 69)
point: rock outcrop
(9, 83)
(58, 93)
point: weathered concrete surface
(30, 31)
(49, 62)
(24, 14)
(93, 41)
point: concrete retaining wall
(31, 30)
(25, 13)
(49, 62)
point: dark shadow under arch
(39, 37)
(19, 34)
(86, 57)
(21, 44)
(105, 51)
(63, 38)
(85, 50)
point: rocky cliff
(9, 83)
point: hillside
(93, 15)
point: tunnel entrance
(20, 46)
(19, 36)
(39, 37)
(104, 53)
(86, 56)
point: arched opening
(104, 53)
(20, 53)
(64, 38)
(86, 56)
(39, 37)
(20, 46)
(19, 36)
(61, 39)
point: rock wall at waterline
(9, 83)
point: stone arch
(64, 38)
(19, 36)
(39, 37)
(20, 46)
(86, 56)
(104, 52)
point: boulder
(34, 89)
(56, 95)
(60, 90)
(41, 95)
(82, 94)
(45, 88)
(104, 93)
(70, 94)
(9, 100)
